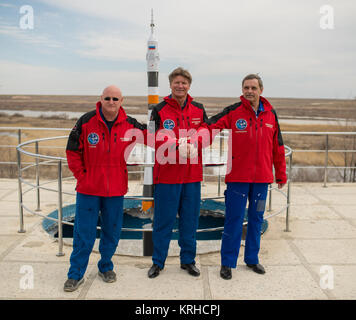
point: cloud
(218, 42)
(7, 5)
(28, 36)
(22, 78)
(111, 46)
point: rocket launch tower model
(152, 58)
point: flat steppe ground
(290, 107)
(286, 108)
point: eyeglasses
(109, 98)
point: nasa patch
(241, 124)
(169, 124)
(93, 138)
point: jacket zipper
(188, 160)
(251, 128)
(183, 121)
(107, 176)
(256, 153)
(257, 141)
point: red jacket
(97, 158)
(173, 122)
(255, 143)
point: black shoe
(154, 271)
(108, 276)
(258, 268)
(71, 284)
(191, 268)
(225, 273)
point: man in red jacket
(255, 145)
(97, 149)
(177, 173)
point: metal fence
(326, 166)
(220, 150)
(60, 162)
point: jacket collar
(174, 103)
(266, 105)
(121, 114)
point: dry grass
(138, 105)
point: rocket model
(152, 58)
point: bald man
(96, 151)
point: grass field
(343, 109)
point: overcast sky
(79, 47)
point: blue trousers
(84, 235)
(236, 196)
(170, 199)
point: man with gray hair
(177, 182)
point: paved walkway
(315, 260)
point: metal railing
(60, 162)
(326, 167)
